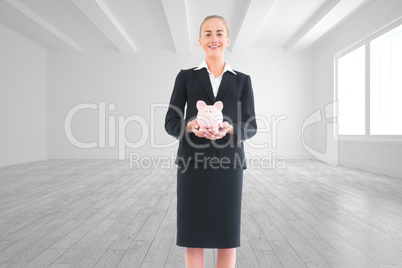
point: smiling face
(214, 38)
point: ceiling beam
(103, 18)
(330, 14)
(176, 15)
(37, 25)
(253, 19)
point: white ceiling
(131, 26)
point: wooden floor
(102, 213)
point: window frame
(367, 137)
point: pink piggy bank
(209, 116)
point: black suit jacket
(236, 93)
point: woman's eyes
(219, 34)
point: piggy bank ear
(219, 105)
(201, 104)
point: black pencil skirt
(209, 206)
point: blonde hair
(215, 17)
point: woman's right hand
(193, 126)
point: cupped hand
(224, 128)
(194, 127)
(209, 133)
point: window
(386, 83)
(369, 84)
(351, 92)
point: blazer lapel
(227, 84)
(203, 78)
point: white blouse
(215, 81)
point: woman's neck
(216, 66)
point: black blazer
(236, 93)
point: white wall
(23, 99)
(282, 86)
(377, 157)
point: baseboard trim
(380, 169)
(22, 159)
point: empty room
(192, 134)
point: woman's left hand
(224, 128)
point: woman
(211, 163)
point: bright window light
(386, 83)
(351, 92)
